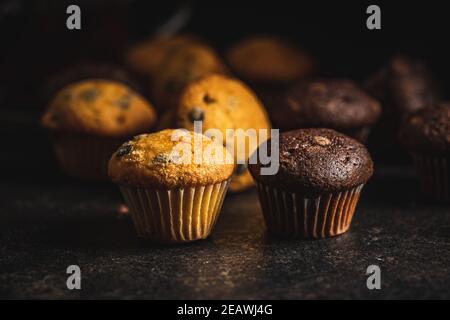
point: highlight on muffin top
(171, 158)
(318, 160)
(99, 107)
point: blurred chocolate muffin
(426, 135)
(403, 86)
(330, 103)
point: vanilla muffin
(269, 65)
(178, 69)
(174, 182)
(145, 57)
(222, 103)
(88, 120)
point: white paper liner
(434, 175)
(290, 214)
(177, 215)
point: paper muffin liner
(294, 215)
(434, 175)
(176, 215)
(85, 157)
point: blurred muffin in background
(145, 57)
(269, 64)
(403, 86)
(180, 67)
(88, 120)
(328, 103)
(222, 103)
(426, 135)
(87, 70)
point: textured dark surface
(46, 226)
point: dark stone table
(49, 224)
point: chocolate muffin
(316, 189)
(403, 86)
(426, 135)
(333, 103)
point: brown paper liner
(434, 175)
(85, 157)
(292, 215)
(177, 215)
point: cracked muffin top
(314, 161)
(428, 130)
(171, 158)
(99, 107)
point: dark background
(37, 45)
(48, 222)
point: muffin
(222, 103)
(145, 57)
(426, 135)
(333, 103)
(174, 193)
(85, 71)
(269, 65)
(317, 186)
(403, 86)
(88, 120)
(268, 59)
(178, 69)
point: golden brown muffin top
(145, 57)
(182, 66)
(224, 103)
(167, 160)
(268, 59)
(99, 107)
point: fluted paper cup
(434, 175)
(294, 215)
(176, 215)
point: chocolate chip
(124, 150)
(55, 117)
(123, 102)
(89, 95)
(161, 159)
(121, 119)
(240, 168)
(196, 114)
(208, 99)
